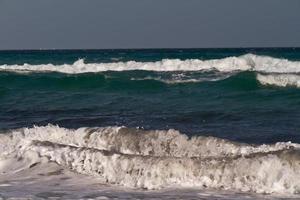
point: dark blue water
(231, 105)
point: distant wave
(271, 71)
(248, 62)
(155, 159)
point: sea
(150, 124)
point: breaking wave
(248, 62)
(281, 80)
(155, 159)
(271, 71)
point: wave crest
(242, 63)
(271, 71)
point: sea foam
(155, 159)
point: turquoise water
(232, 105)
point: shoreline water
(151, 160)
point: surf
(247, 62)
(155, 159)
(270, 71)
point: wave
(271, 71)
(155, 159)
(248, 62)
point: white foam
(229, 64)
(156, 159)
(137, 142)
(281, 80)
(180, 80)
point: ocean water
(150, 124)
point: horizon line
(164, 48)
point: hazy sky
(34, 24)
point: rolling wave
(155, 159)
(270, 71)
(248, 62)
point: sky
(107, 24)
